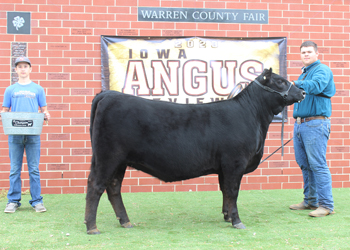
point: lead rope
(276, 150)
(282, 132)
(238, 88)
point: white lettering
(211, 17)
(161, 14)
(201, 15)
(190, 79)
(219, 15)
(136, 78)
(223, 83)
(234, 16)
(227, 15)
(162, 78)
(251, 69)
(246, 16)
(262, 16)
(146, 14)
(154, 14)
(183, 14)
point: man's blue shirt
(318, 80)
(24, 98)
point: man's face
(23, 69)
(308, 55)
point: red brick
(250, 186)
(139, 189)
(72, 8)
(78, 182)
(164, 188)
(73, 190)
(266, 186)
(149, 3)
(171, 3)
(57, 183)
(214, 5)
(26, 8)
(211, 187)
(80, 17)
(58, 16)
(68, 129)
(292, 185)
(50, 190)
(185, 188)
(149, 181)
(126, 3)
(192, 4)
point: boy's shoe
(301, 206)
(39, 208)
(320, 212)
(11, 207)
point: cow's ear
(264, 73)
(268, 73)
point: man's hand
(47, 115)
(4, 109)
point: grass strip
(182, 220)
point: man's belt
(301, 120)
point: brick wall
(64, 47)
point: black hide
(176, 142)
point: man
(24, 96)
(311, 132)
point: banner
(187, 70)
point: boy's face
(23, 69)
(308, 55)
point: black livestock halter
(284, 94)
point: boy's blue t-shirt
(24, 98)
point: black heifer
(176, 142)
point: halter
(284, 94)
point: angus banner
(187, 70)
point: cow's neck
(264, 104)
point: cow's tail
(94, 105)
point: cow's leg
(231, 181)
(115, 198)
(101, 174)
(93, 195)
(225, 205)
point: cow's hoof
(93, 231)
(127, 225)
(239, 226)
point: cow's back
(153, 136)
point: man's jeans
(310, 147)
(31, 144)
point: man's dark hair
(309, 44)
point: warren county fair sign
(150, 14)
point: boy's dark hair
(309, 44)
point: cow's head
(276, 84)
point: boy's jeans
(310, 146)
(31, 144)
